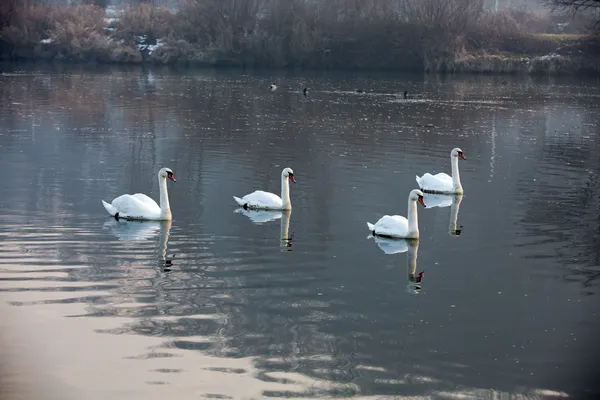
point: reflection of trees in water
(563, 202)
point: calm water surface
(216, 305)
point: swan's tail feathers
(239, 201)
(111, 210)
(371, 227)
(418, 179)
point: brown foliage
(377, 34)
(73, 32)
(144, 20)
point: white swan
(273, 87)
(141, 207)
(260, 200)
(442, 182)
(395, 226)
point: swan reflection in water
(447, 200)
(411, 247)
(130, 231)
(260, 217)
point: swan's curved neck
(413, 219)
(165, 207)
(285, 193)
(455, 174)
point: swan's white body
(141, 207)
(260, 200)
(442, 182)
(396, 226)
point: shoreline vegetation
(437, 36)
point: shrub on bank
(292, 33)
(43, 31)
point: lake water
(216, 305)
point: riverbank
(488, 42)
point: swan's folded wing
(392, 225)
(263, 199)
(440, 180)
(443, 178)
(146, 200)
(132, 206)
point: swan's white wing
(131, 206)
(260, 199)
(146, 200)
(391, 246)
(439, 182)
(392, 225)
(437, 200)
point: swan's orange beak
(461, 155)
(422, 201)
(292, 178)
(171, 177)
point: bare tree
(450, 15)
(6, 11)
(576, 6)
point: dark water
(215, 305)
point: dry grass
(502, 32)
(561, 38)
